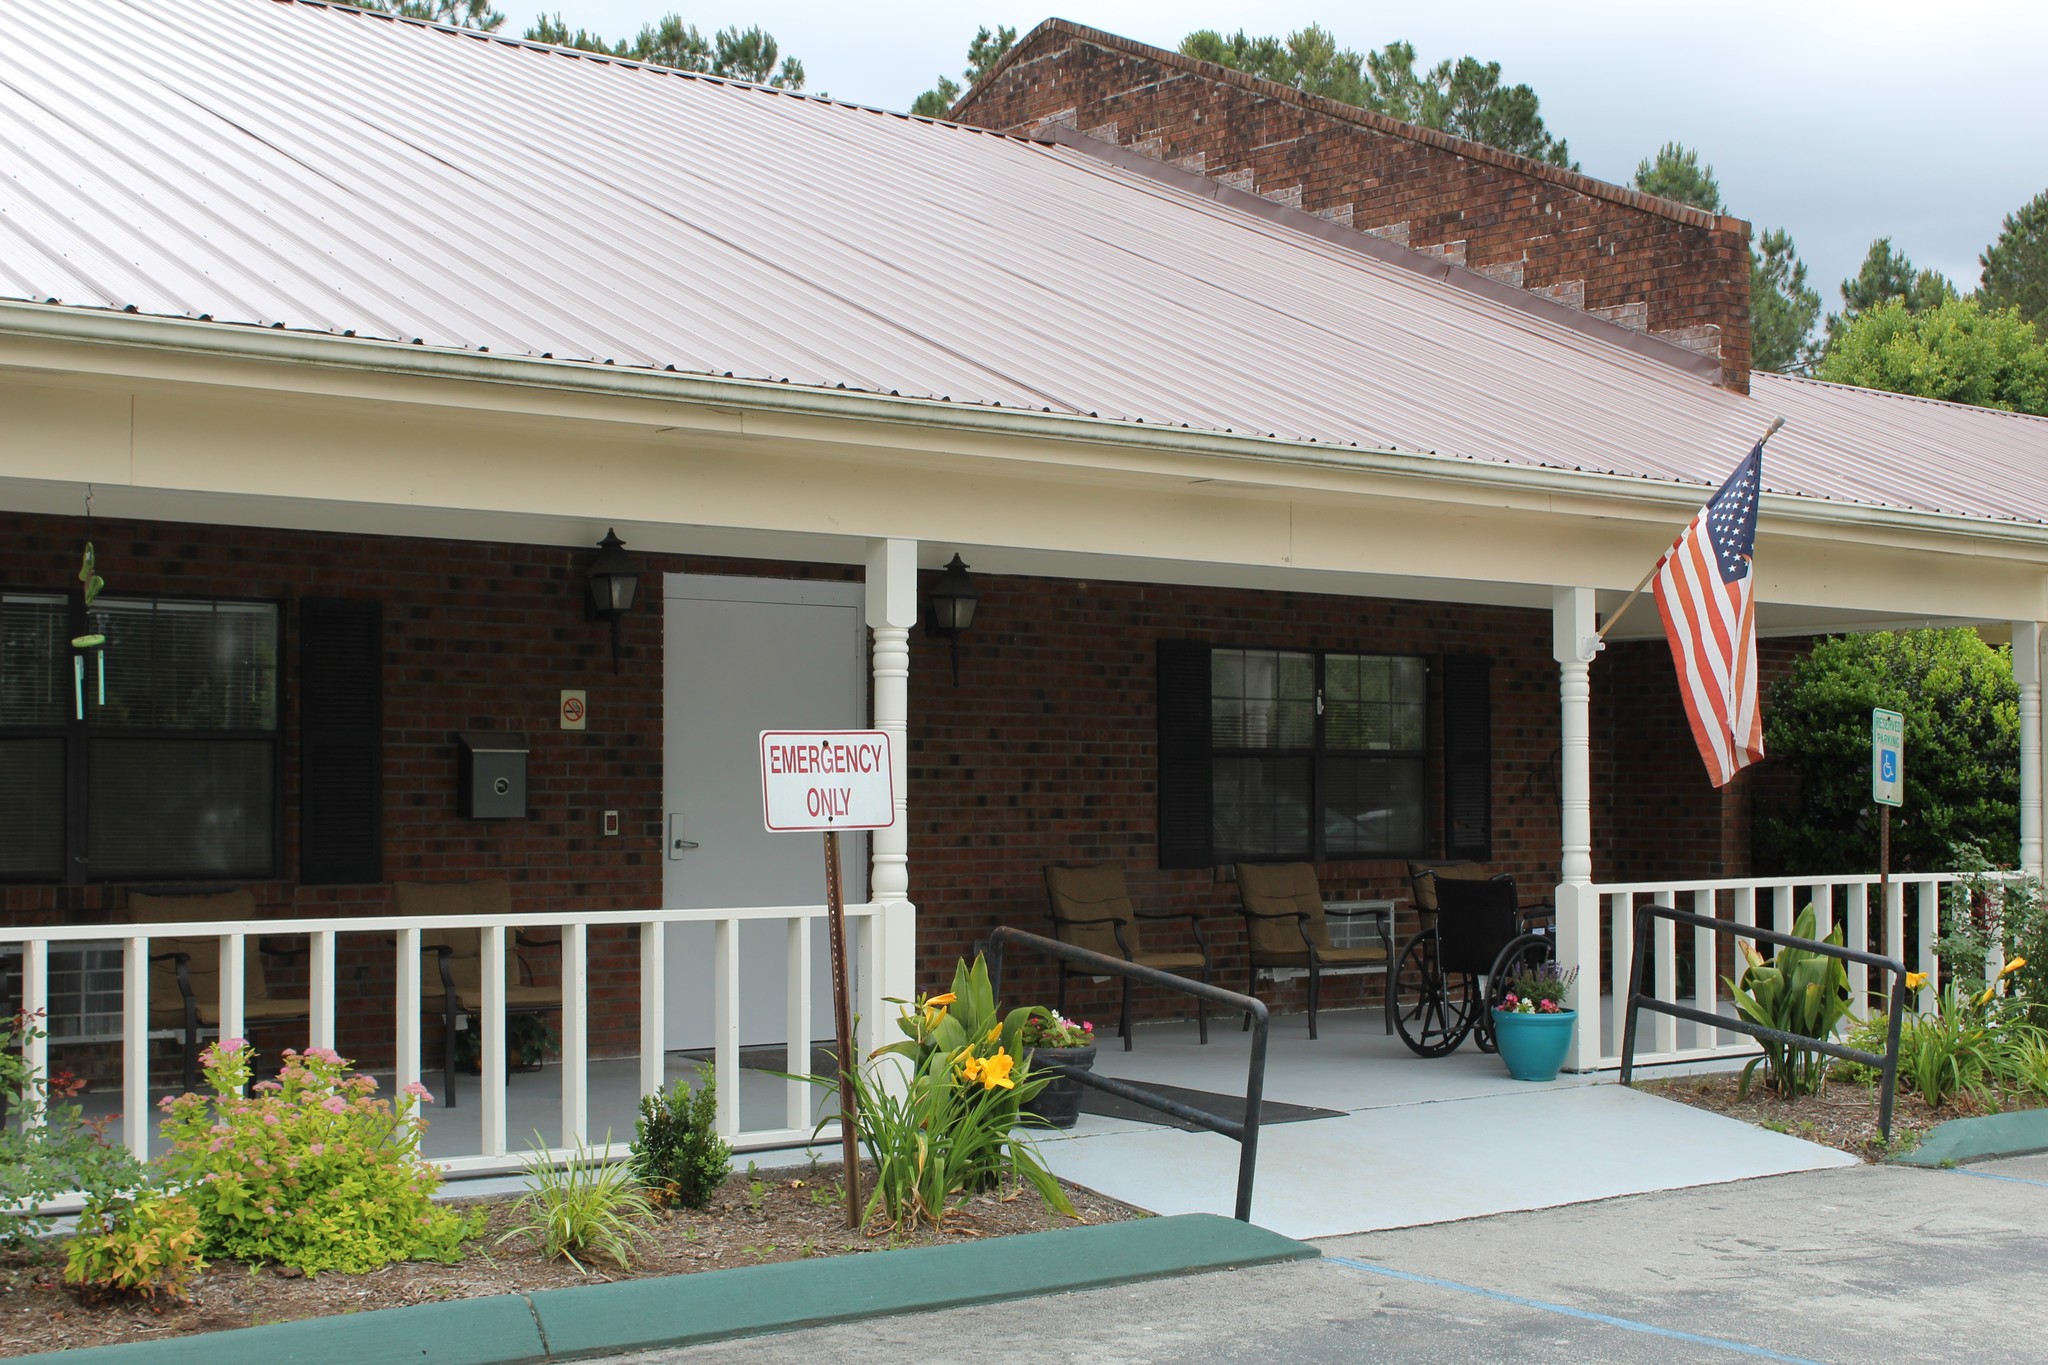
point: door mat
(1102, 1104)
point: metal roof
(282, 163)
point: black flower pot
(1059, 1104)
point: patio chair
(1286, 925)
(456, 990)
(1091, 908)
(184, 973)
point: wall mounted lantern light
(614, 580)
(954, 598)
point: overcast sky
(1842, 120)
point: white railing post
(136, 1118)
(1895, 923)
(35, 1004)
(1930, 929)
(653, 1011)
(1621, 929)
(411, 1009)
(1858, 938)
(725, 1024)
(575, 1033)
(491, 1049)
(1782, 910)
(797, 1056)
(1664, 956)
(2026, 671)
(1706, 995)
(320, 987)
(234, 984)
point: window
(1307, 755)
(1317, 756)
(172, 772)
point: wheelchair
(1451, 974)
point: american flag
(1705, 587)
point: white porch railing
(881, 955)
(1873, 922)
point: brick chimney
(1639, 262)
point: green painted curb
(680, 1310)
(1961, 1141)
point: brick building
(1151, 412)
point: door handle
(677, 844)
(687, 843)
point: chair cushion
(1171, 962)
(166, 1004)
(1422, 880)
(144, 908)
(1329, 957)
(257, 1011)
(517, 997)
(1280, 889)
(1096, 891)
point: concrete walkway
(1419, 1140)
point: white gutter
(184, 336)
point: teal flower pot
(1534, 1045)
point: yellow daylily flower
(1915, 980)
(1985, 998)
(995, 1032)
(995, 1071)
(945, 999)
(970, 1067)
(2013, 966)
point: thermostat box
(491, 775)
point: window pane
(34, 661)
(188, 665)
(1373, 806)
(1381, 706)
(1261, 808)
(1262, 699)
(180, 807)
(32, 808)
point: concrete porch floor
(1419, 1140)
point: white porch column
(1578, 908)
(891, 612)
(2026, 670)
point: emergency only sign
(826, 780)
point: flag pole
(1620, 611)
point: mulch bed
(779, 1215)
(1843, 1116)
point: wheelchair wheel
(1524, 954)
(1433, 1009)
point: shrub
(1962, 740)
(49, 1148)
(1797, 991)
(311, 1172)
(143, 1245)
(1972, 1043)
(1986, 911)
(586, 1205)
(942, 1127)
(677, 1153)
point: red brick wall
(1047, 752)
(1659, 267)
(476, 637)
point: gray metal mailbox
(492, 779)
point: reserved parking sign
(1887, 757)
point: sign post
(1887, 785)
(827, 781)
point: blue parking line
(1987, 1175)
(1606, 1320)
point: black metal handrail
(1246, 1132)
(1887, 1061)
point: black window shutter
(1468, 758)
(341, 742)
(1184, 782)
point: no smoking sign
(573, 709)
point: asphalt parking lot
(1855, 1264)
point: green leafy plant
(309, 1171)
(586, 1205)
(938, 1110)
(1979, 1044)
(1544, 989)
(140, 1246)
(1988, 910)
(677, 1153)
(529, 1041)
(49, 1148)
(1050, 1028)
(1798, 991)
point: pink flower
(1510, 999)
(334, 1104)
(418, 1092)
(318, 1149)
(232, 1044)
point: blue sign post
(1887, 782)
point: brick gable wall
(1644, 263)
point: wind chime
(97, 644)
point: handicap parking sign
(1888, 757)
